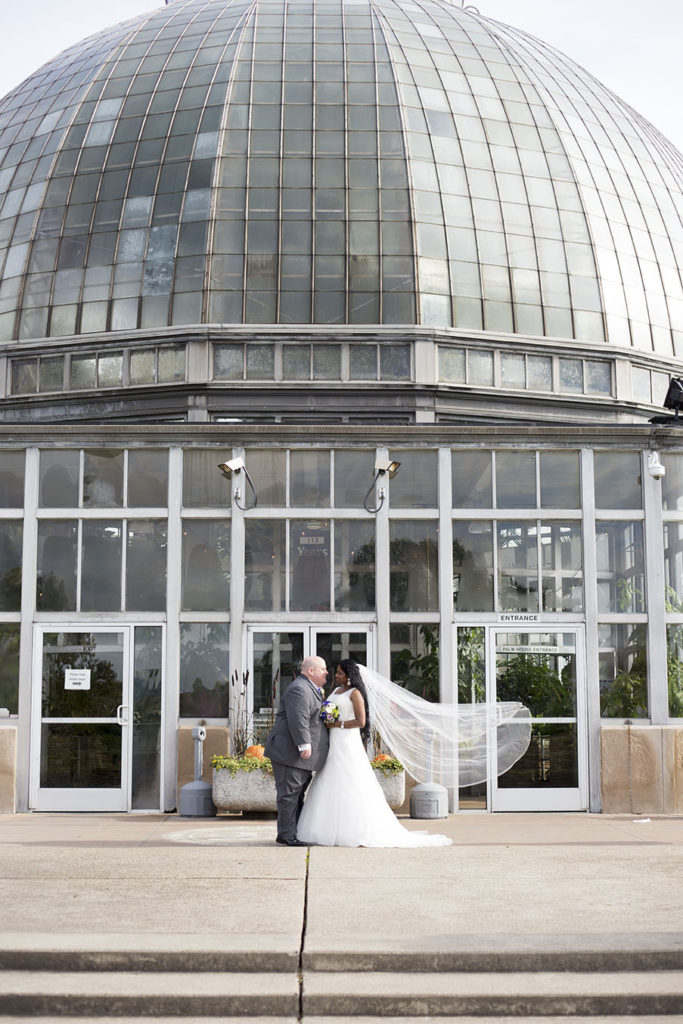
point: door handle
(119, 714)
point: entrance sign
(518, 617)
(76, 678)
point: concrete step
(148, 993)
(458, 994)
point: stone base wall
(642, 769)
(216, 742)
(8, 770)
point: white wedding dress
(345, 805)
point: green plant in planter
(242, 763)
(387, 765)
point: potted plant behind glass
(244, 781)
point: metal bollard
(194, 800)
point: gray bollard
(429, 800)
(194, 800)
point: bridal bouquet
(329, 712)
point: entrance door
(275, 653)
(81, 737)
(542, 668)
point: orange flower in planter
(256, 750)
(380, 758)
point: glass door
(275, 653)
(542, 668)
(81, 716)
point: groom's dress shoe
(290, 842)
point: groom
(297, 745)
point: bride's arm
(359, 708)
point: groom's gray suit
(297, 723)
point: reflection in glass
(56, 572)
(416, 483)
(9, 666)
(674, 641)
(353, 473)
(204, 486)
(622, 660)
(473, 566)
(415, 657)
(515, 479)
(561, 567)
(147, 478)
(11, 537)
(551, 760)
(277, 660)
(354, 565)
(335, 646)
(264, 565)
(11, 479)
(103, 478)
(204, 666)
(559, 472)
(206, 565)
(59, 474)
(517, 567)
(309, 479)
(471, 668)
(101, 655)
(621, 566)
(310, 563)
(672, 483)
(472, 487)
(146, 718)
(413, 565)
(146, 565)
(267, 468)
(617, 480)
(101, 566)
(80, 756)
(673, 565)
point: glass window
(673, 565)
(623, 670)
(103, 478)
(146, 768)
(353, 474)
(228, 362)
(394, 362)
(11, 535)
(11, 479)
(674, 636)
(83, 372)
(413, 566)
(143, 366)
(672, 484)
(146, 565)
(206, 565)
(327, 362)
(296, 362)
(617, 480)
(415, 658)
(354, 565)
(363, 362)
(204, 669)
(571, 375)
(517, 567)
(147, 478)
(267, 468)
(310, 563)
(472, 480)
(598, 378)
(204, 486)
(560, 480)
(473, 566)
(101, 566)
(171, 363)
(9, 667)
(264, 565)
(515, 479)
(416, 482)
(561, 567)
(309, 479)
(620, 565)
(260, 362)
(56, 573)
(451, 365)
(59, 475)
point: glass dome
(334, 162)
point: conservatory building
(342, 327)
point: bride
(345, 805)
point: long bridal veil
(452, 744)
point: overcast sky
(632, 46)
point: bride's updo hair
(350, 668)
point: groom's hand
(305, 754)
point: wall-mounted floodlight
(654, 466)
(383, 467)
(236, 466)
(674, 395)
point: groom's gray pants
(291, 784)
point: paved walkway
(509, 881)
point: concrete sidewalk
(523, 881)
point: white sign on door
(76, 678)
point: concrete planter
(393, 787)
(243, 791)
